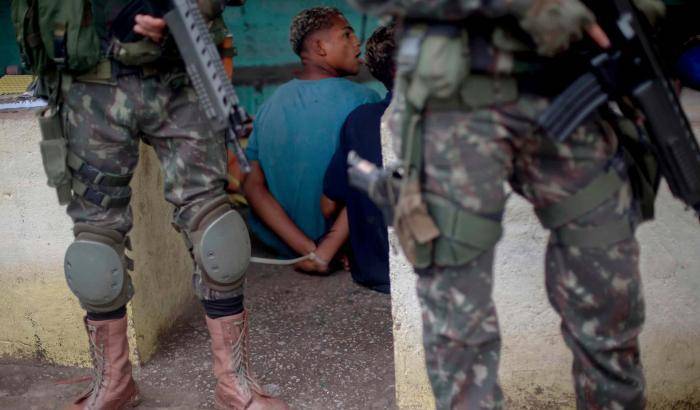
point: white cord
(271, 261)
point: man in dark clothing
(369, 241)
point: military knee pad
(220, 245)
(96, 268)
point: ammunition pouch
(54, 152)
(56, 35)
(415, 227)
(463, 235)
(434, 74)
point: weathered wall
(535, 367)
(39, 317)
(163, 268)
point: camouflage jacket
(509, 49)
(436, 9)
(460, 9)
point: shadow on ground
(318, 342)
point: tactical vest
(56, 35)
(66, 36)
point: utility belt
(142, 58)
(437, 71)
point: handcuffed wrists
(317, 259)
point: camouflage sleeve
(441, 9)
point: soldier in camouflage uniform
(139, 91)
(468, 91)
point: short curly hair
(309, 21)
(380, 53)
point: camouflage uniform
(108, 89)
(471, 145)
(105, 119)
(104, 125)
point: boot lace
(241, 359)
(98, 363)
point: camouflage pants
(597, 291)
(104, 124)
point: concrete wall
(39, 317)
(535, 367)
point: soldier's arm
(553, 24)
(154, 27)
(440, 9)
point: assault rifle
(381, 185)
(214, 90)
(630, 74)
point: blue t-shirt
(369, 239)
(295, 134)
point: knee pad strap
(582, 202)
(602, 236)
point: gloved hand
(553, 24)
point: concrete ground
(318, 342)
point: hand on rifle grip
(151, 27)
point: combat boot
(236, 387)
(112, 386)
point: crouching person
(369, 242)
(295, 133)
